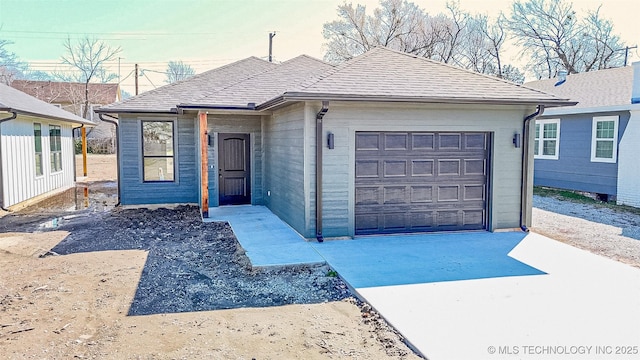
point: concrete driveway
(474, 295)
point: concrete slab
(462, 295)
(412, 259)
(585, 307)
(267, 240)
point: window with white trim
(547, 142)
(157, 150)
(55, 145)
(604, 139)
(37, 142)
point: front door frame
(222, 173)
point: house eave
(593, 109)
(300, 96)
(49, 117)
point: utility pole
(136, 77)
(626, 53)
(271, 36)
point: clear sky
(210, 33)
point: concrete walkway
(471, 295)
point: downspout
(525, 165)
(319, 146)
(15, 115)
(115, 123)
(74, 151)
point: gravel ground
(601, 230)
(191, 265)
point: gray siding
(574, 170)
(134, 191)
(344, 120)
(284, 167)
(245, 124)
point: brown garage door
(418, 182)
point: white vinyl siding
(547, 140)
(604, 139)
(20, 181)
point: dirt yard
(77, 305)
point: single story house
(384, 143)
(70, 96)
(593, 146)
(36, 147)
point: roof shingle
(15, 100)
(608, 87)
(166, 98)
(382, 72)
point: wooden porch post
(83, 131)
(204, 165)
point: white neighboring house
(36, 147)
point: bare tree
(396, 24)
(553, 37)
(10, 65)
(177, 70)
(88, 56)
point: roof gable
(608, 87)
(15, 100)
(166, 98)
(267, 85)
(382, 72)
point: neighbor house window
(604, 139)
(55, 145)
(547, 140)
(157, 150)
(37, 139)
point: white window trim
(594, 127)
(541, 140)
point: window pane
(536, 147)
(38, 164)
(550, 131)
(604, 149)
(158, 169)
(604, 129)
(537, 131)
(37, 136)
(157, 138)
(549, 147)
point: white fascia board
(588, 110)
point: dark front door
(234, 169)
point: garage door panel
(396, 141)
(475, 141)
(475, 167)
(395, 168)
(413, 182)
(367, 168)
(449, 167)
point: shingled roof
(608, 87)
(380, 75)
(68, 92)
(165, 98)
(13, 100)
(267, 85)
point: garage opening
(420, 182)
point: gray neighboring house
(384, 143)
(36, 147)
(594, 145)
